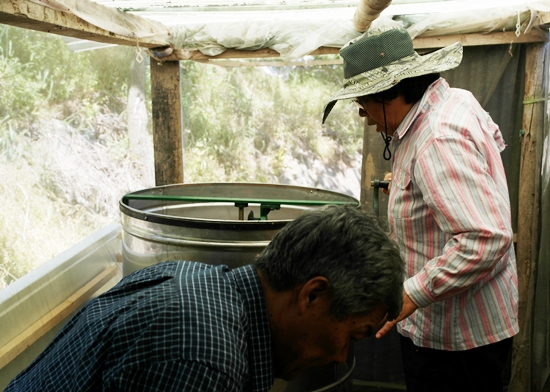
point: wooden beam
(498, 38)
(436, 42)
(35, 15)
(20, 343)
(167, 125)
(229, 54)
(254, 63)
(528, 214)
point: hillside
(71, 146)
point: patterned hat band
(374, 76)
(381, 47)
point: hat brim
(384, 78)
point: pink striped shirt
(449, 210)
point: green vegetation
(65, 155)
(236, 116)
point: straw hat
(380, 59)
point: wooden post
(167, 125)
(528, 214)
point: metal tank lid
(164, 204)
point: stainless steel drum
(212, 223)
(220, 223)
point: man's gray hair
(348, 247)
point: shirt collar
(431, 96)
(260, 344)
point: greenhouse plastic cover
(295, 38)
(295, 28)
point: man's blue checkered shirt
(174, 326)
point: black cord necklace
(387, 139)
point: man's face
(374, 112)
(317, 339)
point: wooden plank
(528, 214)
(477, 39)
(253, 63)
(419, 43)
(231, 54)
(184, 54)
(436, 42)
(20, 343)
(167, 125)
(31, 15)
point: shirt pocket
(402, 192)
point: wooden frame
(29, 14)
(528, 214)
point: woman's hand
(409, 307)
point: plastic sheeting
(293, 39)
(293, 28)
(287, 38)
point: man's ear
(312, 292)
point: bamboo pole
(367, 11)
(528, 215)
